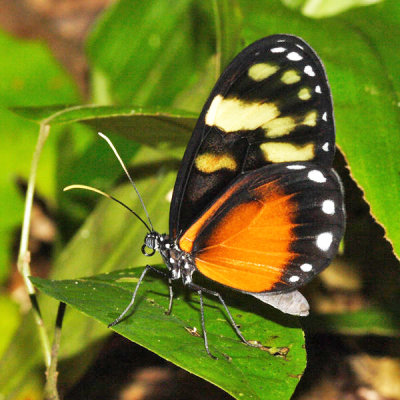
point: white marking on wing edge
(306, 267)
(324, 240)
(296, 166)
(278, 50)
(325, 116)
(328, 207)
(316, 176)
(294, 278)
(325, 147)
(318, 89)
(294, 56)
(309, 71)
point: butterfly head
(153, 241)
(180, 263)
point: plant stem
(50, 391)
(218, 30)
(24, 255)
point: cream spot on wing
(324, 241)
(311, 118)
(259, 72)
(279, 127)
(168, 196)
(232, 114)
(291, 76)
(212, 111)
(286, 152)
(304, 94)
(209, 162)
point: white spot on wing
(296, 166)
(324, 240)
(294, 56)
(309, 71)
(278, 50)
(316, 176)
(318, 89)
(328, 207)
(294, 278)
(306, 267)
(325, 147)
(325, 116)
(300, 47)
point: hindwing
(272, 230)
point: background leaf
(151, 126)
(326, 8)
(178, 39)
(29, 76)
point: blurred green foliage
(147, 59)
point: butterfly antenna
(92, 189)
(127, 174)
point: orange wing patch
(249, 246)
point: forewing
(273, 229)
(271, 105)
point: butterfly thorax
(180, 263)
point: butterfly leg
(203, 324)
(233, 323)
(171, 297)
(147, 268)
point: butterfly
(256, 205)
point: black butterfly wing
(272, 104)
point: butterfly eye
(144, 252)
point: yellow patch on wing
(286, 152)
(291, 76)
(304, 93)
(311, 118)
(209, 162)
(233, 114)
(279, 127)
(261, 71)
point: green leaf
(162, 46)
(326, 8)
(151, 125)
(242, 371)
(362, 66)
